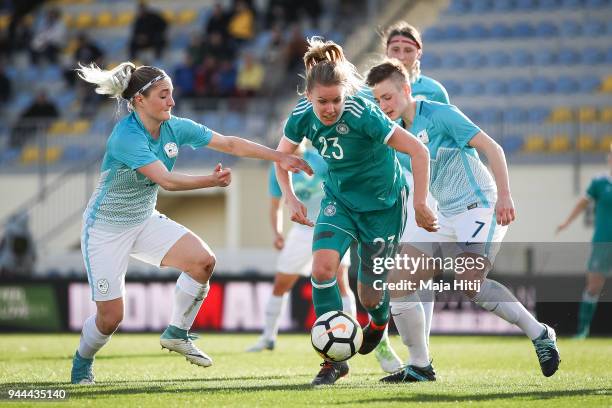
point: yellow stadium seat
(59, 127)
(185, 17)
(4, 21)
(605, 144)
(83, 20)
(586, 143)
(80, 126)
(561, 115)
(53, 154)
(105, 20)
(559, 144)
(124, 18)
(30, 154)
(587, 114)
(168, 15)
(606, 86)
(605, 115)
(534, 144)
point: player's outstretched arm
(237, 146)
(403, 141)
(173, 181)
(504, 208)
(299, 213)
(580, 206)
(276, 221)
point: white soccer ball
(336, 336)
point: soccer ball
(336, 336)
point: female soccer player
(295, 258)
(365, 189)
(474, 211)
(600, 262)
(121, 220)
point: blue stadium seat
(476, 32)
(570, 28)
(491, 115)
(542, 85)
(475, 60)
(523, 29)
(498, 59)
(11, 72)
(526, 5)
(548, 4)
(454, 33)
(51, 73)
(472, 88)
(74, 153)
(519, 86)
(566, 85)
(515, 115)
(521, 58)
(544, 57)
(500, 31)
(452, 87)
(608, 58)
(474, 115)
(495, 87)
(596, 3)
(451, 60)
(589, 84)
(573, 4)
(212, 120)
(458, 7)
(546, 29)
(503, 5)
(592, 56)
(430, 61)
(594, 28)
(434, 34)
(511, 144)
(538, 114)
(480, 6)
(568, 56)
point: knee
(108, 322)
(203, 267)
(323, 271)
(369, 298)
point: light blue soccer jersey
(124, 197)
(459, 180)
(600, 191)
(308, 189)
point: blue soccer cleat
(82, 370)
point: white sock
(427, 297)
(188, 298)
(349, 304)
(91, 338)
(409, 319)
(587, 297)
(496, 298)
(275, 306)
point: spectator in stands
(295, 49)
(217, 22)
(241, 25)
(50, 38)
(184, 78)
(195, 49)
(17, 249)
(34, 118)
(204, 77)
(19, 35)
(148, 31)
(250, 76)
(6, 87)
(216, 47)
(224, 81)
(86, 53)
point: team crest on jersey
(330, 210)
(102, 286)
(342, 128)
(423, 136)
(171, 149)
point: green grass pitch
(133, 371)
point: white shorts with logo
(106, 251)
(411, 228)
(296, 255)
(473, 231)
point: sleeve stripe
(291, 141)
(390, 133)
(351, 110)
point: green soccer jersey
(363, 172)
(600, 191)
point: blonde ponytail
(112, 82)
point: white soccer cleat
(186, 347)
(261, 345)
(386, 356)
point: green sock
(586, 312)
(326, 296)
(173, 332)
(380, 314)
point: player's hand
(504, 210)
(222, 177)
(426, 218)
(279, 241)
(299, 213)
(561, 227)
(294, 164)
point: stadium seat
(458, 7)
(4, 21)
(546, 29)
(561, 115)
(523, 29)
(548, 4)
(594, 28)
(566, 85)
(606, 86)
(519, 86)
(525, 5)
(452, 87)
(596, 3)
(481, 6)
(74, 153)
(497, 59)
(495, 87)
(451, 60)
(491, 115)
(124, 18)
(472, 88)
(572, 4)
(474, 60)
(477, 32)
(568, 57)
(559, 144)
(105, 20)
(542, 86)
(515, 115)
(500, 31)
(430, 61)
(503, 5)
(59, 127)
(605, 143)
(605, 114)
(570, 28)
(168, 15)
(434, 34)
(589, 84)
(512, 144)
(79, 127)
(186, 17)
(83, 20)
(544, 57)
(586, 143)
(534, 144)
(521, 58)
(587, 114)
(454, 33)
(592, 56)
(537, 114)
(29, 154)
